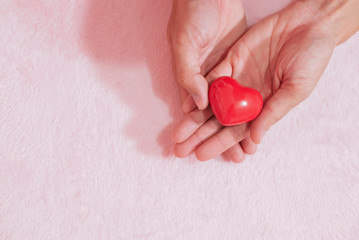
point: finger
(222, 141)
(182, 92)
(188, 72)
(188, 105)
(248, 146)
(190, 123)
(207, 130)
(187, 127)
(235, 153)
(223, 69)
(274, 109)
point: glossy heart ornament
(233, 103)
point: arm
(341, 16)
(282, 56)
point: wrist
(339, 17)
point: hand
(200, 32)
(282, 56)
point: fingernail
(197, 100)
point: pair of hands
(282, 56)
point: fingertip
(201, 102)
(258, 130)
(235, 153)
(240, 159)
(173, 133)
(176, 135)
(248, 146)
(198, 101)
(254, 137)
(255, 132)
(197, 87)
(201, 157)
(252, 149)
(178, 152)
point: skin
(200, 33)
(282, 56)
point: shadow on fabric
(120, 35)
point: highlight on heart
(232, 103)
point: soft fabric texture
(87, 103)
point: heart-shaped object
(233, 103)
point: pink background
(87, 102)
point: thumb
(188, 73)
(274, 109)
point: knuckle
(235, 55)
(204, 132)
(182, 78)
(213, 75)
(239, 131)
(180, 38)
(199, 136)
(221, 142)
(232, 56)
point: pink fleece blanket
(87, 102)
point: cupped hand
(283, 57)
(200, 33)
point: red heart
(233, 103)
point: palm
(213, 27)
(277, 59)
(277, 53)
